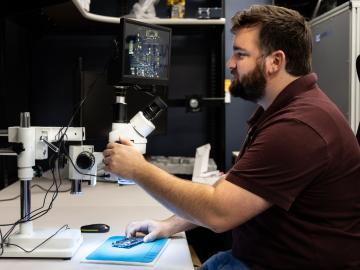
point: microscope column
(120, 107)
(25, 162)
(120, 122)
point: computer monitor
(142, 55)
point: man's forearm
(213, 206)
(185, 199)
(177, 224)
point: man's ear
(275, 62)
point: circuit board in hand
(128, 242)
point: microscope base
(63, 245)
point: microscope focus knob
(85, 160)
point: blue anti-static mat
(144, 253)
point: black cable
(138, 88)
(66, 226)
(10, 199)
(61, 145)
(44, 189)
(22, 220)
(25, 218)
(38, 186)
(37, 215)
(55, 194)
(44, 200)
(1, 243)
(31, 216)
(91, 89)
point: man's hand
(152, 228)
(123, 159)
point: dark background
(48, 53)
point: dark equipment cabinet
(197, 70)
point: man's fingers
(130, 230)
(148, 227)
(125, 141)
(110, 150)
(109, 146)
(107, 160)
(133, 228)
(130, 234)
(151, 236)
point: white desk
(105, 203)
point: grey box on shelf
(209, 13)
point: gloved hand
(152, 228)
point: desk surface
(105, 203)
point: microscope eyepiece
(154, 108)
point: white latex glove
(152, 228)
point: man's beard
(252, 85)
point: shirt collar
(296, 87)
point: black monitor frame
(116, 70)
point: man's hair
(280, 29)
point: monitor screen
(142, 54)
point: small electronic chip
(128, 242)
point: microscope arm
(43, 136)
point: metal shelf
(185, 21)
(115, 20)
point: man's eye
(240, 55)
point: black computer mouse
(95, 228)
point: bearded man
(292, 199)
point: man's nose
(231, 64)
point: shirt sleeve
(282, 161)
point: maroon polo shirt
(300, 155)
